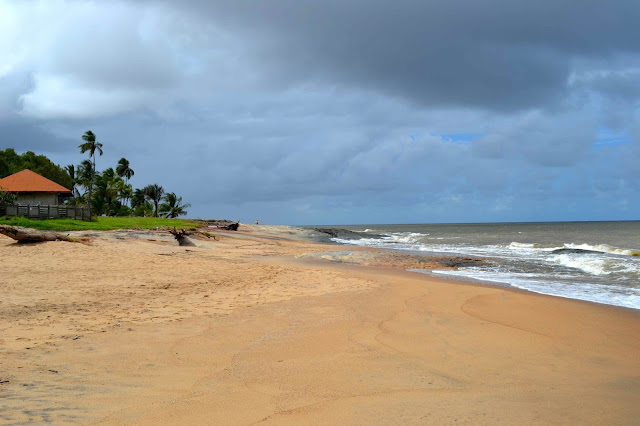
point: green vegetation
(99, 223)
(109, 193)
(154, 193)
(11, 162)
(173, 206)
(106, 193)
(7, 197)
(91, 146)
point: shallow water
(593, 261)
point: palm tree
(139, 203)
(84, 173)
(173, 207)
(124, 170)
(138, 198)
(71, 170)
(90, 145)
(126, 192)
(154, 193)
(108, 187)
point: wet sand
(261, 327)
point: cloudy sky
(339, 111)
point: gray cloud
(546, 140)
(498, 54)
(24, 135)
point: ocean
(592, 261)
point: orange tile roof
(28, 181)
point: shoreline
(135, 329)
(468, 281)
(598, 272)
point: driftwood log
(230, 227)
(181, 237)
(27, 235)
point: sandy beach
(260, 326)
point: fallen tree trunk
(182, 236)
(27, 235)
(230, 227)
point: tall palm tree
(92, 146)
(124, 170)
(172, 206)
(154, 193)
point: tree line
(11, 162)
(106, 193)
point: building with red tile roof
(32, 188)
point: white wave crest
(587, 264)
(610, 295)
(406, 237)
(604, 248)
(532, 246)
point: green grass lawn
(99, 223)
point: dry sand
(134, 329)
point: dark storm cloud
(338, 111)
(27, 135)
(492, 54)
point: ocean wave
(604, 248)
(347, 234)
(596, 265)
(589, 265)
(532, 246)
(575, 248)
(595, 272)
(610, 295)
(406, 237)
(397, 240)
(416, 242)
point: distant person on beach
(257, 222)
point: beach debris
(182, 236)
(214, 222)
(28, 235)
(229, 227)
(53, 371)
